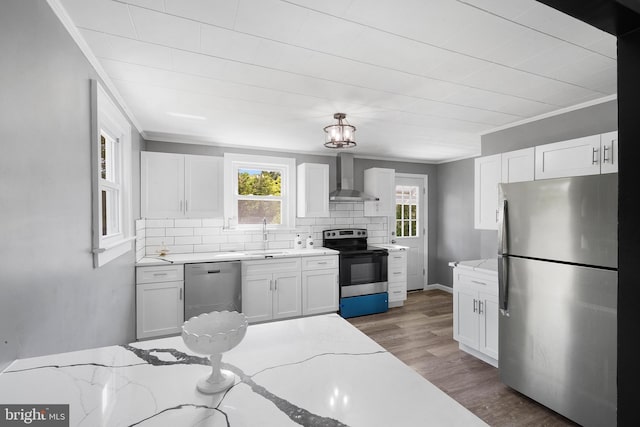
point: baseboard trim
(438, 286)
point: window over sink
(259, 188)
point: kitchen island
(315, 371)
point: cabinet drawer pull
(478, 282)
(397, 272)
(397, 257)
(159, 274)
(322, 262)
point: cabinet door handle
(275, 284)
(186, 206)
(594, 156)
(479, 307)
(180, 294)
(270, 284)
(474, 305)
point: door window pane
(407, 198)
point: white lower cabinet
(397, 278)
(475, 313)
(271, 289)
(159, 301)
(320, 292)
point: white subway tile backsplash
(280, 245)
(140, 224)
(306, 221)
(188, 223)
(212, 222)
(325, 221)
(231, 247)
(208, 235)
(158, 241)
(157, 223)
(188, 240)
(214, 239)
(254, 246)
(344, 206)
(341, 214)
(179, 231)
(154, 232)
(207, 231)
(362, 220)
(239, 238)
(206, 248)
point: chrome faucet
(265, 236)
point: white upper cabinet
(609, 152)
(181, 186)
(203, 186)
(313, 190)
(162, 185)
(575, 157)
(518, 166)
(380, 183)
(488, 173)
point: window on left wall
(111, 166)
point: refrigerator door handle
(503, 270)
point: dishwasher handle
(213, 271)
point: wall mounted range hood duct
(345, 191)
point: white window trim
(105, 115)
(232, 162)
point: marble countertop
(314, 371)
(489, 265)
(232, 256)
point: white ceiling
(420, 79)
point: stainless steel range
(363, 272)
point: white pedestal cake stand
(212, 334)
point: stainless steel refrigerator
(558, 286)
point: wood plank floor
(421, 335)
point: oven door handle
(376, 255)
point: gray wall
(457, 239)
(51, 297)
(592, 120)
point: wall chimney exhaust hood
(345, 191)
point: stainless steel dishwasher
(212, 286)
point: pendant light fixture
(341, 134)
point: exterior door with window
(410, 226)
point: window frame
(107, 119)
(233, 162)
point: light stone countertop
(232, 256)
(314, 371)
(489, 265)
(391, 247)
